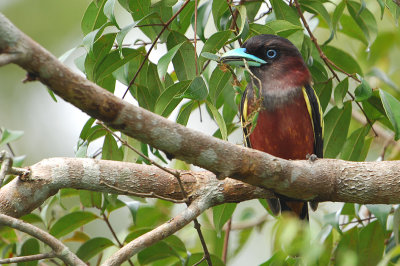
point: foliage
(361, 39)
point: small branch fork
(177, 175)
(331, 64)
(6, 164)
(28, 258)
(153, 44)
(59, 249)
(6, 161)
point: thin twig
(195, 37)
(28, 258)
(152, 46)
(6, 164)
(114, 234)
(226, 240)
(200, 261)
(234, 16)
(359, 221)
(207, 256)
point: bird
(279, 110)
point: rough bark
(48, 176)
(323, 180)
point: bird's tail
(300, 209)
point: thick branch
(48, 176)
(323, 180)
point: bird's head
(273, 59)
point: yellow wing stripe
(310, 110)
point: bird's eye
(271, 53)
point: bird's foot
(311, 157)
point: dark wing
(315, 111)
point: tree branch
(60, 250)
(50, 175)
(28, 258)
(323, 180)
(178, 222)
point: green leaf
(92, 247)
(337, 123)
(220, 12)
(352, 149)
(337, 14)
(220, 121)
(113, 61)
(392, 109)
(196, 257)
(183, 61)
(93, 18)
(29, 247)
(109, 12)
(376, 72)
(90, 39)
(164, 61)
(394, 9)
(169, 99)
(221, 214)
(316, 7)
(284, 12)
(210, 56)
(396, 223)
(381, 212)
(184, 113)
(363, 91)
(322, 83)
(10, 136)
(90, 198)
(110, 149)
(133, 207)
(32, 218)
(333, 219)
(219, 81)
(203, 13)
(214, 44)
(371, 254)
(364, 19)
(340, 92)
(158, 251)
(278, 258)
(257, 29)
(197, 90)
(342, 59)
(125, 30)
(350, 28)
(182, 23)
(70, 222)
(382, 6)
(281, 26)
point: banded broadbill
(289, 123)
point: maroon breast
(285, 132)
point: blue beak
(235, 57)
